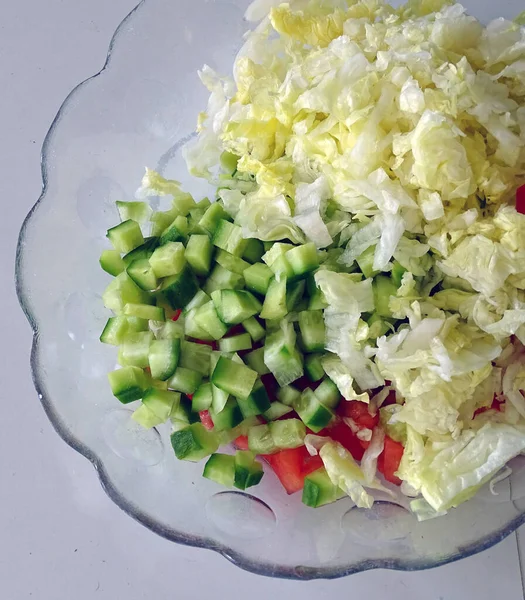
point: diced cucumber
(136, 324)
(282, 358)
(185, 380)
(161, 220)
(288, 395)
(258, 278)
(288, 433)
(319, 490)
(274, 306)
(137, 211)
(221, 469)
(164, 358)
(199, 251)
(168, 260)
(294, 294)
(254, 328)
(313, 367)
(328, 393)
(312, 411)
(233, 378)
(229, 237)
(276, 411)
(183, 412)
(397, 273)
(194, 442)
(256, 403)
(275, 251)
(254, 251)
(128, 384)
(207, 318)
(311, 325)
(211, 218)
(111, 262)
(122, 290)
(134, 351)
(125, 236)
(146, 417)
(222, 279)
(366, 262)
(255, 360)
(115, 331)
(141, 272)
(202, 398)
(260, 440)
(235, 343)
(180, 289)
(200, 298)
(248, 471)
(230, 262)
(383, 288)
(229, 162)
(228, 418)
(145, 311)
(377, 326)
(161, 402)
(219, 398)
(282, 268)
(317, 299)
(235, 306)
(303, 259)
(192, 329)
(183, 202)
(142, 252)
(171, 330)
(173, 233)
(196, 356)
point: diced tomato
(235, 330)
(340, 432)
(176, 314)
(496, 405)
(241, 443)
(190, 396)
(206, 419)
(292, 466)
(520, 200)
(388, 461)
(358, 412)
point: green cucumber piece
(288, 395)
(211, 218)
(196, 356)
(228, 236)
(294, 294)
(229, 162)
(137, 211)
(202, 398)
(235, 306)
(180, 289)
(319, 490)
(125, 236)
(121, 291)
(134, 350)
(276, 411)
(141, 272)
(311, 325)
(207, 318)
(192, 329)
(254, 328)
(164, 356)
(160, 221)
(185, 380)
(282, 358)
(161, 402)
(233, 378)
(200, 299)
(258, 278)
(199, 252)
(182, 203)
(303, 259)
(145, 311)
(194, 442)
(255, 360)
(256, 403)
(230, 262)
(383, 288)
(366, 262)
(222, 279)
(274, 306)
(183, 412)
(235, 343)
(141, 252)
(254, 251)
(128, 384)
(229, 417)
(168, 259)
(312, 411)
(111, 262)
(317, 299)
(221, 469)
(173, 233)
(397, 273)
(248, 471)
(288, 433)
(146, 417)
(313, 367)
(260, 440)
(328, 393)
(115, 331)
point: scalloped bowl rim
(257, 567)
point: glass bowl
(139, 110)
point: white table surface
(60, 536)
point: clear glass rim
(261, 568)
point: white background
(61, 538)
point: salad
(350, 308)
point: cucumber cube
(128, 384)
(180, 289)
(229, 237)
(199, 251)
(125, 236)
(319, 489)
(111, 262)
(168, 259)
(194, 442)
(233, 378)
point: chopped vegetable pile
(351, 308)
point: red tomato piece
(496, 405)
(206, 419)
(358, 412)
(520, 200)
(235, 330)
(340, 432)
(292, 466)
(241, 443)
(176, 314)
(311, 464)
(388, 461)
